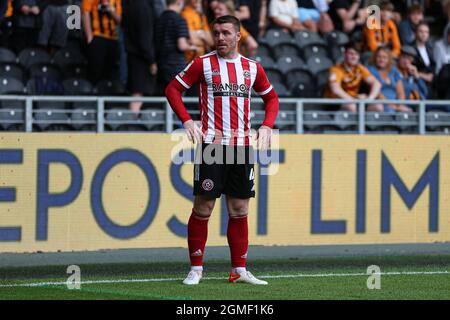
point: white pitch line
(318, 275)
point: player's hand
(193, 132)
(264, 137)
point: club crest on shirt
(215, 72)
(208, 184)
(247, 74)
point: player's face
(225, 39)
(351, 57)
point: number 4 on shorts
(251, 176)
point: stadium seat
(257, 118)
(84, 119)
(154, 119)
(337, 53)
(10, 117)
(288, 63)
(66, 57)
(306, 38)
(123, 120)
(302, 89)
(286, 119)
(318, 64)
(438, 122)
(30, 56)
(263, 50)
(46, 86)
(336, 38)
(366, 57)
(314, 50)
(75, 71)
(109, 88)
(7, 56)
(381, 122)
(346, 120)
(274, 75)
(76, 86)
(52, 120)
(319, 121)
(265, 61)
(285, 49)
(280, 89)
(321, 82)
(44, 70)
(11, 86)
(275, 37)
(11, 70)
(408, 122)
(295, 76)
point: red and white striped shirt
(224, 95)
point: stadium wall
(76, 191)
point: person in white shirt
(284, 14)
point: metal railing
(293, 111)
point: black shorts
(226, 170)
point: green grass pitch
(402, 277)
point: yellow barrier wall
(96, 191)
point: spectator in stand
(26, 23)
(284, 15)
(137, 23)
(247, 44)
(53, 34)
(386, 35)
(199, 31)
(345, 80)
(257, 22)
(442, 50)
(414, 86)
(158, 7)
(347, 16)
(242, 9)
(407, 28)
(171, 42)
(312, 18)
(100, 19)
(390, 78)
(6, 12)
(424, 60)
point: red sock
(197, 235)
(238, 240)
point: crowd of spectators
(144, 43)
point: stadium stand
(296, 63)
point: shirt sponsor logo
(230, 90)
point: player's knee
(238, 210)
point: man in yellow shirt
(386, 34)
(100, 19)
(345, 80)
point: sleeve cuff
(265, 91)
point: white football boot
(193, 277)
(245, 277)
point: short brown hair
(386, 5)
(228, 19)
(415, 8)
